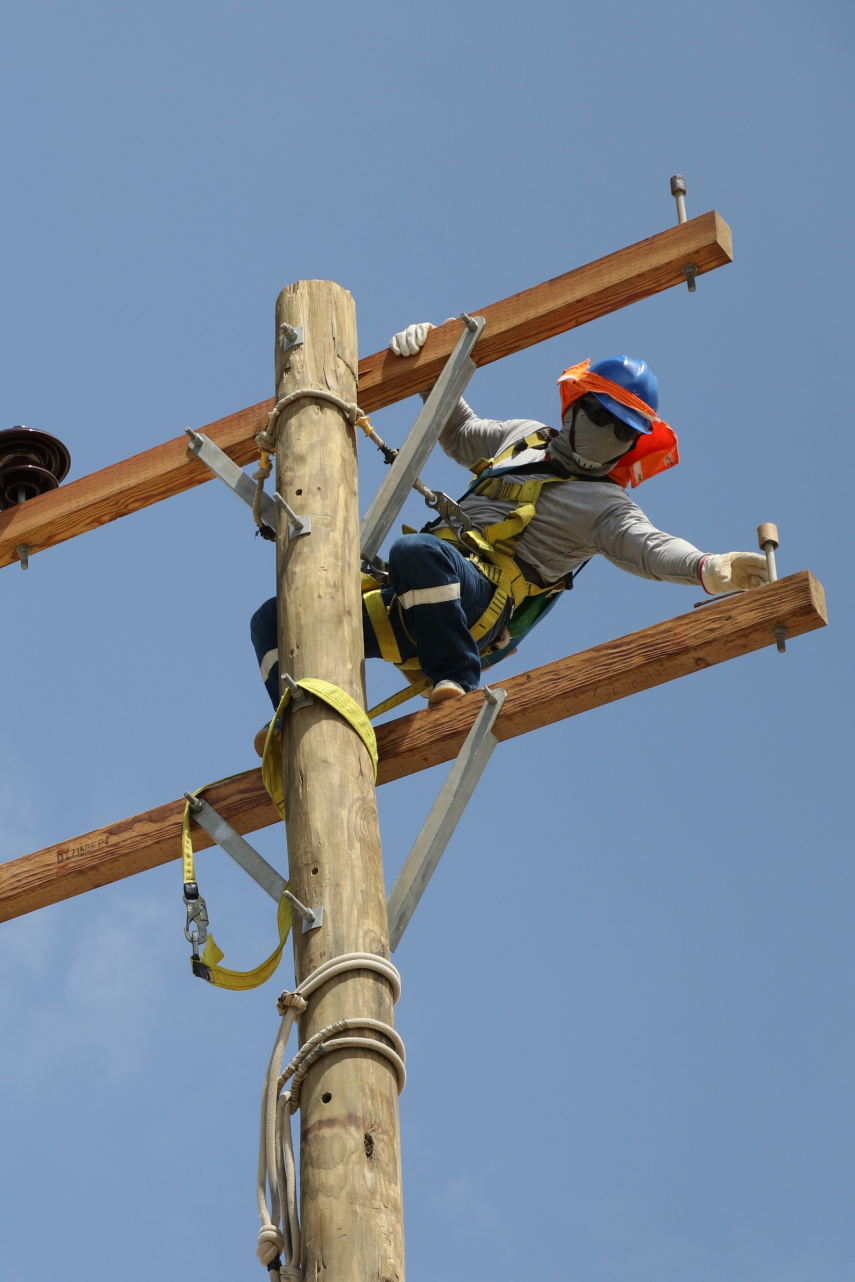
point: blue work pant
(440, 595)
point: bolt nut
(767, 533)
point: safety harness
(491, 551)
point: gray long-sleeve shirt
(574, 520)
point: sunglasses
(598, 414)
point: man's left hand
(733, 572)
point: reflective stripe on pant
(441, 595)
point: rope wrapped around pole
(279, 1235)
(266, 442)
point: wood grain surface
(352, 1217)
(536, 314)
(675, 648)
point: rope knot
(270, 1244)
(294, 1000)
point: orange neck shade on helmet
(653, 452)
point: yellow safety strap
(513, 525)
(238, 980)
(271, 770)
(241, 980)
(271, 764)
(379, 616)
(494, 546)
(484, 464)
(500, 488)
(409, 692)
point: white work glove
(734, 572)
(411, 340)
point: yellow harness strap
(408, 692)
(271, 765)
(237, 980)
(241, 980)
(379, 616)
(530, 442)
(493, 548)
(271, 770)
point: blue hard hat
(636, 377)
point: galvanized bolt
(678, 191)
(295, 520)
(306, 913)
(288, 332)
(470, 324)
(24, 550)
(780, 634)
(690, 271)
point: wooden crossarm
(691, 642)
(554, 307)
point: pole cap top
(767, 533)
(678, 185)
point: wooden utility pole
(350, 1168)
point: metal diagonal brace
(413, 455)
(250, 860)
(443, 818)
(229, 472)
(233, 844)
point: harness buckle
(197, 916)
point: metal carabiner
(196, 912)
(449, 510)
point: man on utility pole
(464, 592)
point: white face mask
(597, 449)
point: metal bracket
(445, 813)
(312, 917)
(300, 698)
(229, 472)
(290, 336)
(413, 455)
(297, 525)
(235, 846)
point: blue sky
(647, 1076)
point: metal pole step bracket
(250, 860)
(234, 845)
(229, 472)
(437, 410)
(443, 818)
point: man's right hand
(411, 340)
